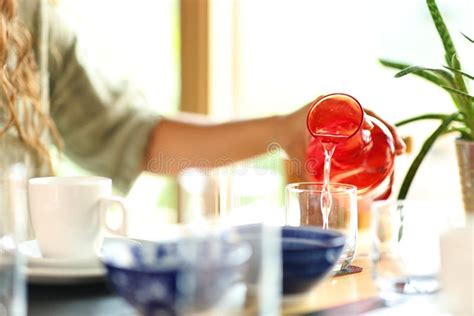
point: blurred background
(247, 58)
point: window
(137, 41)
(273, 56)
(289, 52)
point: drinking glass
(243, 202)
(247, 194)
(405, 252)
(12, 232)
(303, 208)
(224, 274)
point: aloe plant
(452, 79)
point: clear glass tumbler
(405, 252)
(303, 208)
(13, 210)
(243, 202)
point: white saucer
(31, 250)
(59, 271)
(42, 270)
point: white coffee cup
(69, 214)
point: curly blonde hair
(20, 94)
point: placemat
(349, 270)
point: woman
(49, 93)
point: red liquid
(364, 159)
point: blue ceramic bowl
(149, 274)
(308, 255)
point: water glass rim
(317, 187)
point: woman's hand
(398, 141)
(293, 135)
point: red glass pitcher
(364, 154)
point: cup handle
(104, 207)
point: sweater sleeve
(105, 127)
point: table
(344, 295)
(90, 299)
(336, 291)
(97, 299)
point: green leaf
(460, 72)
(468, 38)
(433, 78)
(461, 93)
(430, 116)
(393, 64)
(464, 131)
(461, 102)
(459, 79)
(400, 230)
(442, 31)
(441, 73)
(423, 74)
(407, 181)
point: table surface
(90, 299)
(350, 294)
(98, 299)
(335, 291)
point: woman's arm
(176, 144)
